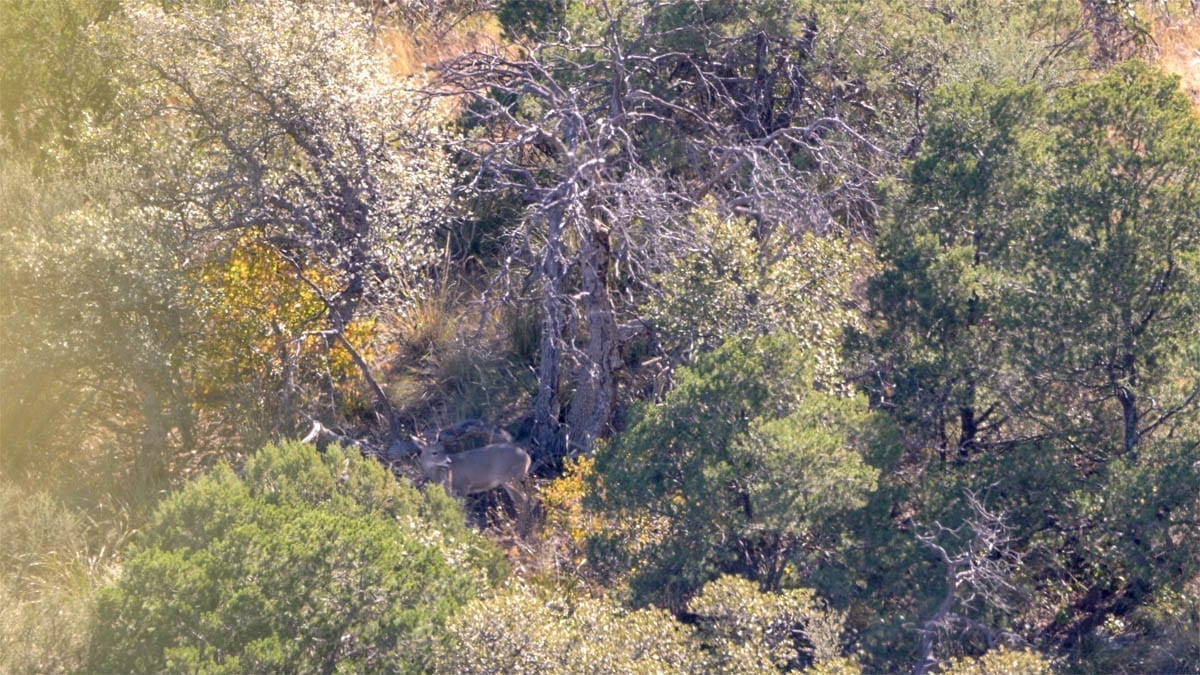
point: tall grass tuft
(52, 562)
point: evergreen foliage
(944, 267)
(746, 462)
(1115, 261)
(309, 562)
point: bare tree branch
(610, 136)
(979, 562)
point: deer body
(501, 465)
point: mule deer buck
(502, 465)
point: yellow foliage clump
(563, 499)
(263, 331)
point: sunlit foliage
(520, 631)
(844, 334)
(749, 631)
(278, 143)
(732, 280)
(1000, 661)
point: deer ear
(416, 440)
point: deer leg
(521, 504)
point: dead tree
(978, 563)
(609, 135)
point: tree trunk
(341, 310)
(1126, 394)
(929, 629)
(1129, 412)
(968, 422)
(547, 434)
(591, 409)
(151, 466)
(969, 429)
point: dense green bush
(746, 630)
(519, 631)
(746, 465)
(306, 562)
(738, 628)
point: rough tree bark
(596, 388)
(547, 436)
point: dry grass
(53, 560)
(412, 51)
(1178, 39)
(49, 634)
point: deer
(502, 465)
